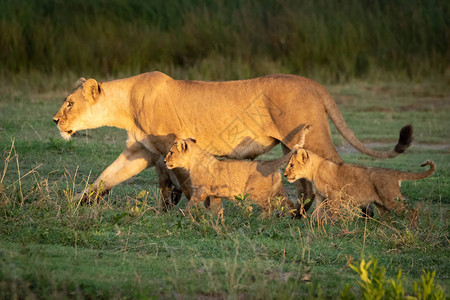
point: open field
(125, 247)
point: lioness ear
(92, 88)
(192, 140)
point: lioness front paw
(88, 198)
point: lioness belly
(249, 148)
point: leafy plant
(374, 285)
(244, 204)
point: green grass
(330, 41)
(125, 247)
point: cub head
(298, 166)
(77, 112)
(180, 153)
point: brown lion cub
(213, 178)
(353, 184)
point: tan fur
(235, 119)
(215, 178)
(352, 183)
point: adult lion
(236, 119)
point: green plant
(426, 289)
(374, 284)
(244, 204)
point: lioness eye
(291, 166)
(69, 104)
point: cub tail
(421, 175)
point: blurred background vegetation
(329, 41)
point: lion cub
(352, 183)
(213, 178)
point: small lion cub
(213, 178)
(353, 184)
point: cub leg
(388, 194)
(213, 203)
(382, 210)
(197, 196)
(392, 204)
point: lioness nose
(56, 120)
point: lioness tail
(405, 139)
(336, 117)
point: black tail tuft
(405, 139)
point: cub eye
(291, 166)
(170, 153)
(69, 105)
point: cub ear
(302, 156)
(92, 89)
(182, 146)
(191, 139)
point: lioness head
(77, 111)
(298, 166)
(180, 153)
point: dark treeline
(327, 40)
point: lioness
(235, 119)
(352, 183)
(217, 179)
